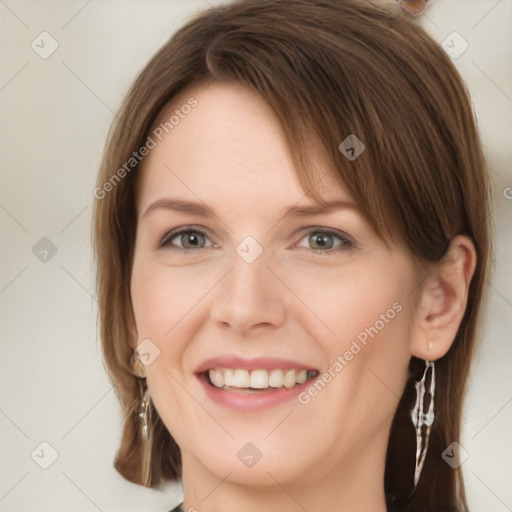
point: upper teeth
(257, 379)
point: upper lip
(244, 363)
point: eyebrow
(181, 206)
(328, 207)
(202, 210)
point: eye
(325, 241)
(187, 239)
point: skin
(293, 302)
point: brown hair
(332, 68)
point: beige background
(55, 115)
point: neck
(357, 485)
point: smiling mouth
(258, 380)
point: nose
(250, 298)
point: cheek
(366, 347)
(169, 308)
(358, 302)
(366, 352)
(162, 297)
(164, 300)
(150, 298)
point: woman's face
(235, 281)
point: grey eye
(192, 240)
(186, 239)
(321, 240)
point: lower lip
(255, 401)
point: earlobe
(137, 368)
(443, 300)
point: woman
(291, 230)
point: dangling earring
(145, 417)
(422, 417)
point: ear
(443, 299)
(137, 368)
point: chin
(260, 462)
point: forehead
(228, 145)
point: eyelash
(345, 244)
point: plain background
(55, 115)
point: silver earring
(144, 414)
(145, 417)
(423, 417)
